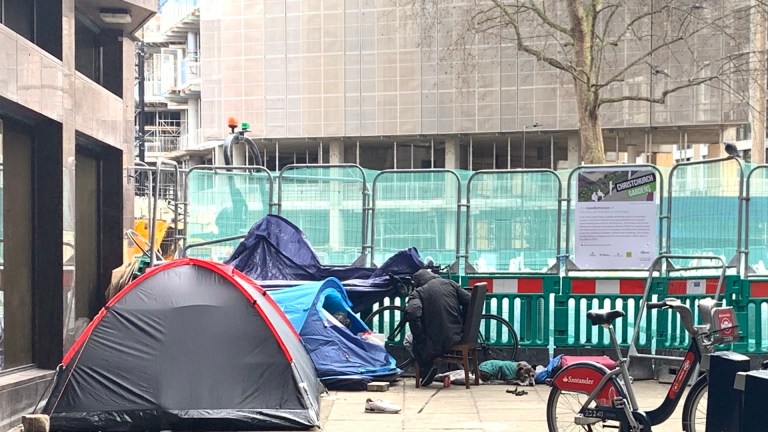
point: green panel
(223, 204)
(326, 203)
(758, 220)
(513, 221)
(704, 211)
(416, 209)
(572, 329)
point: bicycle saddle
(604, 316)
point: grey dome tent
(190, 345)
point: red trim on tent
(269, 299)
(227, 272)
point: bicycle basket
(725, 327)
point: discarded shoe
(381, 406)
(429, 378)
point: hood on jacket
(423, 276)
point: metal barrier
(751, 305)
(523, 301)
(419, 208)
(511, 235)
(513, 221)
(580, 294)
(756, 222)
(330, 205)
(704, 209)
(225, 201)
(160, 183)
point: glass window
(16, 211)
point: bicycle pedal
(619, 402)
(585, 421)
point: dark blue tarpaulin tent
(275, 250)
(343, 359)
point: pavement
(481, 408)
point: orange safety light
(232, 124)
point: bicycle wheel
(390, 321)
(562, 408)
(695, 408)
(497, 339)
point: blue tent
(275, 253)
(343, 359)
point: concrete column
(192, 53)
(193, 105)
(336, 152)
(574, 151)
(663, 159)
(335, 156)
(715, 151)
(452, 153)
(631, 154)
(728, 134)
(193, 124)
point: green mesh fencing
(418, 208)
(703, 206)
(757, 218)
(222, 204)
(327, 203)
(513, 220)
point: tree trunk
(590, 132)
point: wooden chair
(466, 349)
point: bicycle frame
(581, 377)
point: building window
(15, 231)
(98, 54)
(38, 21)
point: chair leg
(418, 374)
(477, 368)
(465, 362)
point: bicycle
(497, 339)
(610, 401)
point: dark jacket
(435, 313)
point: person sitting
(435, 311)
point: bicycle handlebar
(686, 317)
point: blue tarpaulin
(275, 251)
(343, 359)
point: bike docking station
(610, 399)
(724, 398)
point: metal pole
(552, 152)
(432, 153)
(357, 152)
(141, 126)
(522, 158)
(509, 152)
(394, 150)
(470, 153)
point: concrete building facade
(66, 134)
(356, 81)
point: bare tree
(614, 51)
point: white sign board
(616, 219)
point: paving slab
(487, 408)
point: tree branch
(538, 54)
(543, 17)
(639, 59)
(661, 99)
